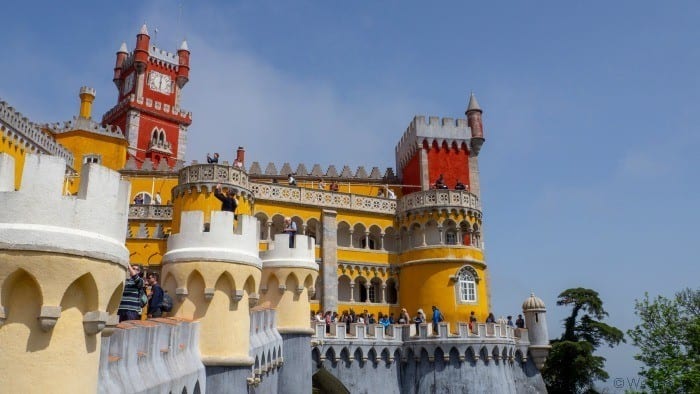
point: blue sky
(589, 172)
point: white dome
(533, 302)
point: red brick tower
(149, 82)
(441, 146)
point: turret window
(466, 284)
(87, 159)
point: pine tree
(571, 366)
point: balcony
(438, 199)
(150, 212)
(322, 198)
(160, 146)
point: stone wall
(152, 356)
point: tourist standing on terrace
(130, 306)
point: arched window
(466, 285)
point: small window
(451, 238)
(96, 159)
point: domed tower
(215, 272)
(288, 277)
(149, 82)
(536, 324)
(441, 260)
(62, 270)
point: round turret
(143, 40)
(63, 265)
(183, 69)
(475, 124)
(536, 324)
(122, 53)
(87, 97)
(215, 273)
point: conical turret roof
(473, 104)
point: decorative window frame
(458, 290)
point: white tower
(536, 324)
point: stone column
(474, 176)
(367, 285)
(269, 231)
(383, 293)
(460, 241)
(381, 241)
(366, 239)
(442, 235)
(424, 170)
(352, 291)
(352, 241)
(423, 242)
(329, 299)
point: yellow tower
(87, 97)
(289, 273)
(62, 269)
(215, 273)
(441, 261)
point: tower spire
(473, 104)
(475, 124)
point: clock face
(160, 82)
(128, 83)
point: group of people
(382, 318)
(139, 294)
(215, 160)
(440, 184)
(333, 186)
(404, 317)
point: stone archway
(325, 383)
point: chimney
(240, 155)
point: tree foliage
(571, 366)
(668, 338)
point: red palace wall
(411, 175)
(146, 126)
(452, 162)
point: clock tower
(149, 83)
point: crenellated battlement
(435, 129)
(279, 254)
(39, 217)
(28, 135)
(168, 58)
(331, 173)
(87, 125)
(217, 242)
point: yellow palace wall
(11, 146)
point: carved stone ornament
(48, 317)
(94, 322)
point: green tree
(668, 338)
(571, 366)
